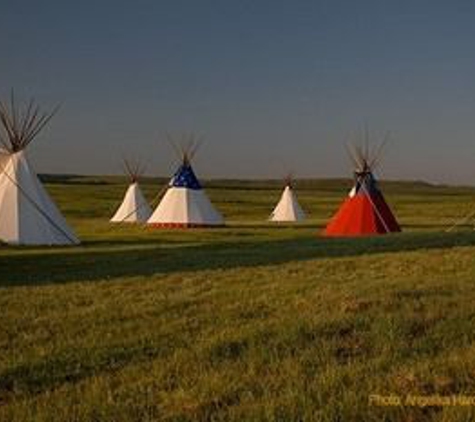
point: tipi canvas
(185, 203)
(28, 216)
(288, 209)
(365, 211)
(134, 207)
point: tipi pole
(461, 221)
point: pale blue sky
(272, 85)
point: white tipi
(185, 203)
(28, 216)
(134, 207)
(288, 209)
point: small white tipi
(28, 216)
(185, 203)
(288, 209)
(134, 207)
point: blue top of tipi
(185, 178)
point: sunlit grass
(249, 322)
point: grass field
(249, 322)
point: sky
(272, 86)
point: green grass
(249, 322)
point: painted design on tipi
(185, 203)
(364, 212)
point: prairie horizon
(147, 178)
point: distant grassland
(253, 321)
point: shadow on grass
(56, 370)
(148, 258)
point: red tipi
(364, 212)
